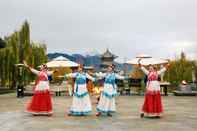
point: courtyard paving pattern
(180, 115)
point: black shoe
(108, 114)
(142, 115)
(98, 114)
(69, 114)
(158, 117)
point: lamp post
(193, 75)
(20, 82)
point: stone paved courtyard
(180, 115)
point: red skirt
(40, 103)
(152, 104)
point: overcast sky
(161, 28)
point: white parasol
(147, 60)
(61, 62)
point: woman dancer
(81, 104)
(106, 103)
(41, 103)
(152, 106)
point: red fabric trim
(40, 102)
(153, 76)
(152, 103)
(43, 76)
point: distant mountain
(88, 59)
(54, 55)
(93, 60)
(79, 58)
(91, 53)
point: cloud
(188, 47)
(161, 28)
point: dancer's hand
(60, 76)
(25, 64)
(168, 64)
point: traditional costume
(152, 104)
(106, 103)
(41, 102)
(81, 104)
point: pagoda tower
(107, 58)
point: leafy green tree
(18, 48)
(180, 69)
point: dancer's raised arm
(36, 72)
(119, 77)
(162, 70)
(144, 70)
(100, 75)
(142, 67)
(90, 77)
(70, 75)
(50, 72)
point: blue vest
(80, 79)
(110, 79)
